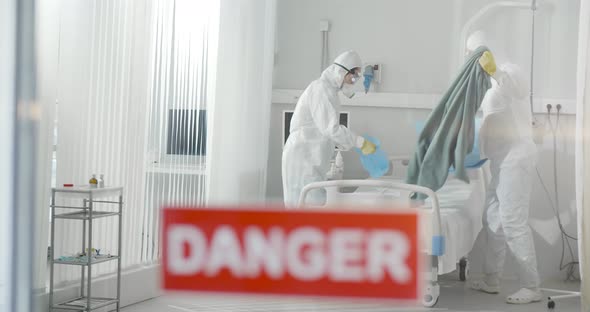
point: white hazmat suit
(316, 130)
(506, 139)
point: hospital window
(288, 115)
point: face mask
(355, 76)
(348, 89)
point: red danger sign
(292, 252)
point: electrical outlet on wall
(567, 107)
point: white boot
(490, 284)
(525, 295)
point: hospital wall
(419, 51)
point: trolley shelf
(84, 262)
(79, 304)
(84, 215)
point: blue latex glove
(376, 164)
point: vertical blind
(132, 106)
(177, 113)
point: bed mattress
(461, 207)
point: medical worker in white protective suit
(316, 130)
(506, 139)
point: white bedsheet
(461, 207)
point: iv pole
(564, 293)
(533, 9)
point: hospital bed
(450, 219)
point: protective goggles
(354, 74)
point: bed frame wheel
(551, 304)
(463, 269)
(431, 294)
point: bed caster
(551, 304)
(463, 270)
(431, 295)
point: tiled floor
(454, 297)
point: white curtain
(47, 27)
(182, 32)
(131, 83)
(7, 113)
(102, 91)
(583, 151)
(241, 111)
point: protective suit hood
(335, 73)
(475, 40)
(334, 76)
(349, 59)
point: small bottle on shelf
(93, 182)
(101, 180)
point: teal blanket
(448, 133)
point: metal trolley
(87, 213)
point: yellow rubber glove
(368, 147)
(487, 62)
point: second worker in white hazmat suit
(506, 139)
